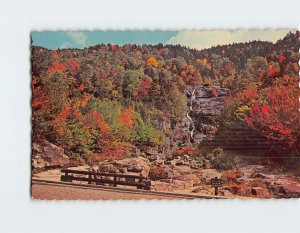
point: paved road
(57, 192)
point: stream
(190, 109)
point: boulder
(151, 151)
(247, 191)
(111, 167)
(285, 188)
(251, 171)
(38, 163)
(195, 164)
(138, 165)
(206, 164)
(259, 175)
(152, 157)
(271, 180)
(186, 157)
(47, 154)
(36, 148)
(185, 175)
(181, 162)
(55, 155)
(159, 162)
(170, 162)
(180, 171)
(260, 192)
(181, 177)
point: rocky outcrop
(265, 182)
(203, 109)
(131, 165)
(285, 188)
(48, 155)
(171, 177)
(200, 125)
(163, 177)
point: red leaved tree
(57, 67)
(73, 66)
(39, 95)
(145, 86)
(278, 117)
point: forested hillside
(105, 101)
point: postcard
(181, 114)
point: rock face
(47, 155)
(204, 105)
(203, 108)
(207, 100)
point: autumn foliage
(39, 98)
(152, 61)
(278, 117)
(189, 150)
(126, 118)
(272, 71)
(57, 67)
(73, 66)
(103, 126)
(145, 86)
(157, 173)
(100, 101)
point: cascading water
(190, 109)
(201, 115)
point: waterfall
(192, 124)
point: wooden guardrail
(101, 178)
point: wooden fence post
(115, 179)
(90, 179)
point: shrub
(111, 150)
(157, 173)
(76, 161)
(232, 176)
(222, 161)
(189, 150)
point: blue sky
(198, 39)
(81, 39)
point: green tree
(131, 82)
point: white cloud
(78, 38)
(201, 39)
(66, 45)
